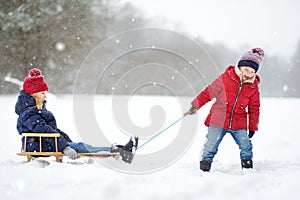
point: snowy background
(275, 175)
(58, 36)
(273, 23)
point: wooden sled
(58, 155)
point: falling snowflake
(60, 46)
(285, 88)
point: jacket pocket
(222, 105)
(222, 102)
(241, 109)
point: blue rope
(162, 131)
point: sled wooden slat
(58, 155)
(41, 134)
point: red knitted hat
(35, 82)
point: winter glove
(192, 110)
(71, 153)
(251, 133)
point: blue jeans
(214, 137)
(81, 147)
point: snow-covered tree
(51, 35)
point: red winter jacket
(235, 101)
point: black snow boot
(205, 166)
(129, 146)
(126, 151)
(248, 164)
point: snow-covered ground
(276, 159)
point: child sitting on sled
(35, 118)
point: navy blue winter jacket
(33, 120)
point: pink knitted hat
(252, 58)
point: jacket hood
(24, 102)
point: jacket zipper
(235, 102)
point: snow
(60, 46)
(276, 158)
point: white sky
(271, 24)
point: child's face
(247, 72)
(41, 96)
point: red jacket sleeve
(254, 111)
(208, 93)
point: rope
(160, 132)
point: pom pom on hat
(35, 72)
(35, 82)
(252, 58)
